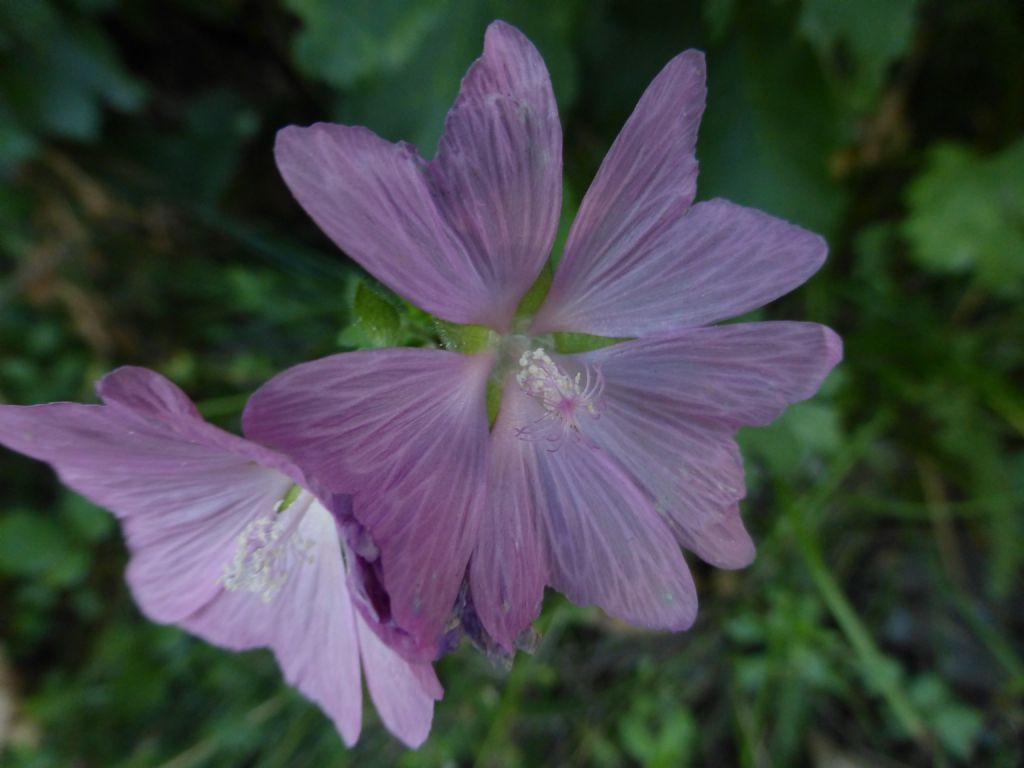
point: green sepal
(494, 392)
(289, 497)
(375, 320)
(571, 343)
(467, 339)
(538, 292)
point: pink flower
(227, 541)
(599, 465)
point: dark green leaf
(858, 41)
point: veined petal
(403, 692)
(181, 544)
(188, 496)
(404, 432)
(138, 393)
(189, 499)
(498, 172)
(646, 182)
(464, 237)
(142, 392)
(671, 405)
(508, 569)
(310, 624)
(373, 199)
(605, 544)
(314, 631)
(717, 261)
(691, 471)
(736, 375)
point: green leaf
(195, 161)
(84, 519)
(16, 143)
(805, 431)
(95, 6)
(33, 546)
(770, 126)
(417, 65)
(58, 81)
(342, 43)
(966, 214)
(858, 41)
(718, 15)
(656, 732)
(955, 724)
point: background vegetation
(142, 221)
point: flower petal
(605, 543)
(691, 471)
(182, 541)
(508, 569)
(672, 404)
(373, 199)
(498, 170)
(741, 374)
(310, 624)
(314, 631)
(139, 393)
(717, 261)
(184, 503)
(464, 237)
(403, 692)
(191, 499)
(646, 182)
(142, 392)
(404, 432)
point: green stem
(517, 681)
(870, 658)
(203, 751)
(997, 645)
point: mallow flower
(227, 540)
(598, 466)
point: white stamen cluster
(564, 397)
(268, 549)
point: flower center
(565, 398)
(269, 547)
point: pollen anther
(565, 398)
(268, 549)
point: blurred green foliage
(858, 43)
(967, 216)
(142, 221)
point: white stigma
(565, 398)
(269, 548)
